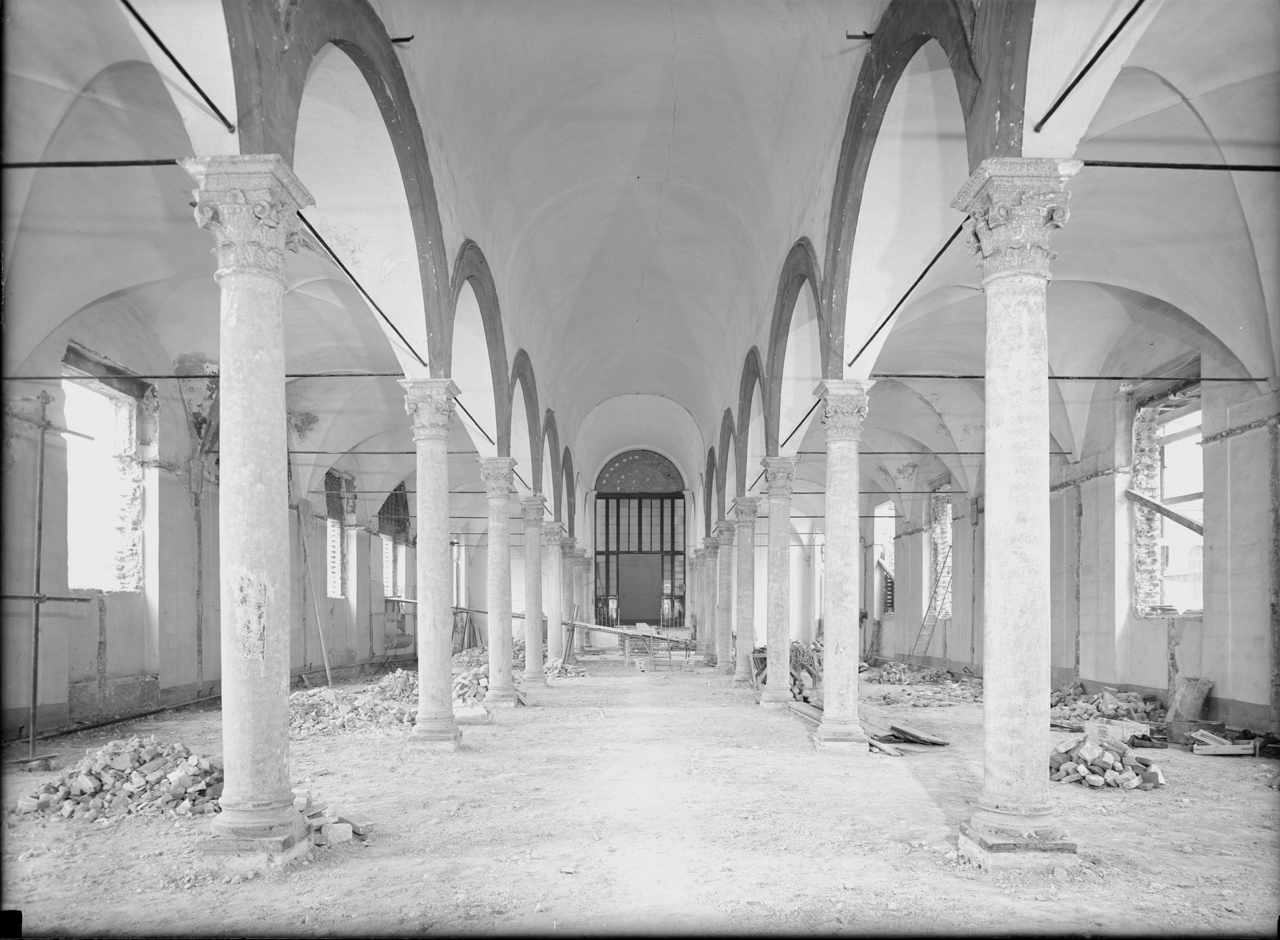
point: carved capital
(698, 555)
(779, 475)
(568, 547)
(496, 472)
(711, 545)
(844, 407)
(250, 204)
(724, 533)
(1014, 204)
(430, 403)
(745, 509)
(533, 507)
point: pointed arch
(708, 490)
(522, 375)
(471, 267)
(800, 267)
(551, 445)
(570, 493)
(728, 445)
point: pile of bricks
(936, 696)
(327, 826)
(137, 776)
(1102, 762)
(470, 658)
(894, 673)
(470, 687)
(318, 711)
(1072, 705)
(558, 667)
(401, 685)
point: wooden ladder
(930, 621)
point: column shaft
(745, 509)
(844, 407)
(533, 509)
(711, 599)
(779, 474)
(430, 402)
(568, 585)
(250, 205)
(1013, 205)
(555, 595)
(724, 606)
(496, 473)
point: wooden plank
(806, 711)
(876, 719)
(1247, 748)
(1208, 737)
(885, 748)
(1156, 506)
(912, 734)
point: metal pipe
(45, 400)
(1088, 65)
(1148, 165)
(903, 299)
(1075, 378)
(84, 164)
(231, 128)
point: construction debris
(1100, 762)
(1212, 745)
(558, 667)
(313, 711)
(134, 777)
(1073, 706)
(470, 687)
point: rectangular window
(340, 499)
(390, 568)
(104, 477)
(648, 525)
(1168, 498)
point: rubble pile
(470, 687)
(950, 692)
(470, 658)
(400, 686)
(315, 711)
(894, 673)
(1102, 762)
(558, 667)
(1072, 705)
(326, 825)
(138, 776)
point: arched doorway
(640, 517)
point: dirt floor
(659, 802)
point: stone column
(1014, 204)
(551, 540)
(844, 407)
(430, 402)
(568, 550)
(779, 474)
(724, 600)
(744, 510)
(250, 204)
(533, 507)
(695, 594)
(497, 474)
(711, 598)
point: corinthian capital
(1014, 204)
(430, 403)
(779, 474)
(844, 407)
(533, 508)
(568, 547)
(724, 533)
(250, 204)
(745, 509)
(496, 474)
(553, 535)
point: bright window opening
(884, 527)
(101, 490)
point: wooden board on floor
(805, 710)
(1244, 749)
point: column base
(709, 660)
(500, 698)
(538, 678)
(839, 734)
(998, 852)
(254, 845)
(775, 698)
(741, 679)
(436, 736)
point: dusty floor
(661, 802)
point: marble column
(724, 599)
(430, 403)
(744, 510)
(551, 540)
(1014, 204)
(250, 205)
(568, 583)
(711, 598)
(534, 508)
(779, 475)
(844, 406)
(497, 474)
(695, 596)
